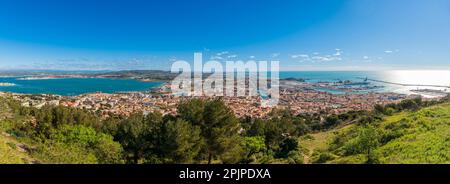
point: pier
(394, 83)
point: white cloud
(391, 51)
(367, 59)
(173, 59)
(222, 53)
(216, 58)
(316, 57)
(252, 57)
(338, 52)
(89, 64)
(323, 58)
(232, 56)
(299, 56)
(274, 55)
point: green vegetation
(11, 153)
(206, 131)
(58, 134)
(412, 134)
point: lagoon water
(76, 86)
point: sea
(398, 81)
(74, 86)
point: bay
(75, 86)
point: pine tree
(180, 141)
(220, 130)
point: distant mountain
(139, 74)
(45, 72)
(145, 75)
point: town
(299, 100)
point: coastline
(334, 82)
(298, 94)
(70, 85)
(7, 84)
(85, 77)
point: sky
(152, 34)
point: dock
(400, 84)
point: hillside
(11, 150)
(421, 136)
(412, 131)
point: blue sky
(302, 35)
